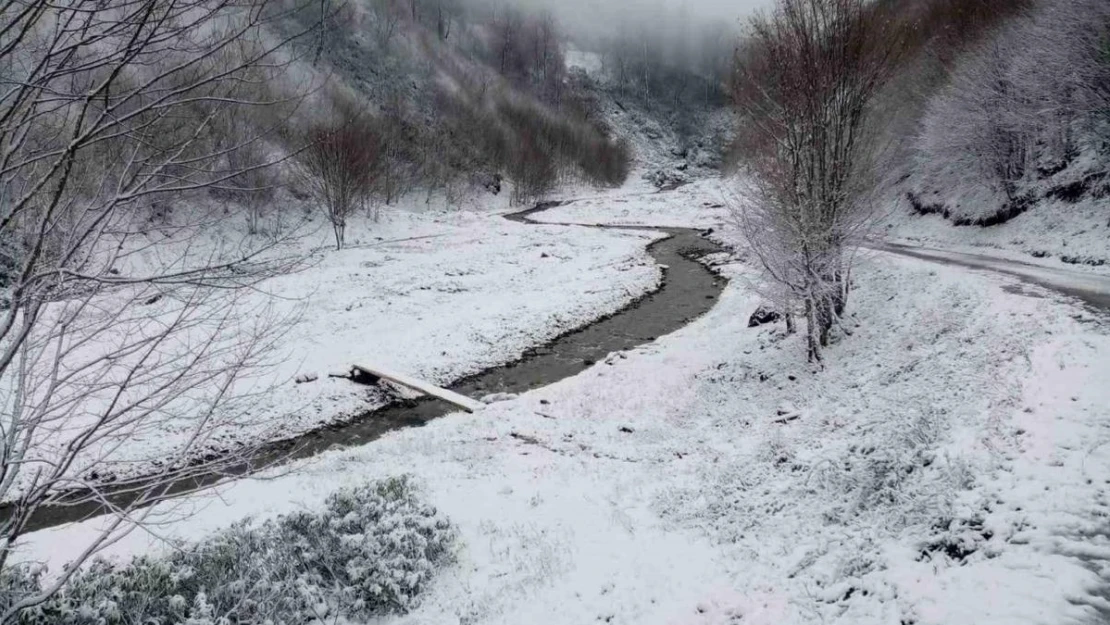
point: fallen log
(467, 404)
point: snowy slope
(437, 295)
(948, 467)
(1052, 232)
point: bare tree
(392, 174)
(506, 26)
(246, 139)
(341, 166)
(109, 336)
(972, 136)
(387, 17)
(551, 72)
(803, 85)
(445, 15)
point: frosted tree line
(976, 110)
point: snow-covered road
(1092, 288)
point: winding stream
(688, 290)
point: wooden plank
(450, 397)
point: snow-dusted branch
(108, 336)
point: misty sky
(596, 16)
(720, 9)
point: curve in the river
(688, 290)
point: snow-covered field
(949, 466)
(446, 296)
(438, 294)
(704, 203)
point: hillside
(798, 319)
(464, 96)
(1004, 143)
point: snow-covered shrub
(18, 582)
(899, 477)
(374, 549)
(371, 551)
(230, 575)
(664, 178)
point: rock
(487, 181)
(626, 430)
(787, 413)
(764, 315)
(612, 359)
(664, 179)
(358, 376)
(494, 398)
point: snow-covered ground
(449, 295)
(949, 466)
(1048, 232)
(704, 203)
(438, 294)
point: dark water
(688, 290)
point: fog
(597, 19)
(597, 14)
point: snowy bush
(663, 178)
(375, 548)
(372, 550)
(18, 582)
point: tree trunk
(813, 346)
(340, 234)
(843, 289)
(824, 319)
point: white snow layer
(436, 295)
(703, 203)
(1050, 231)
(950, 465)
